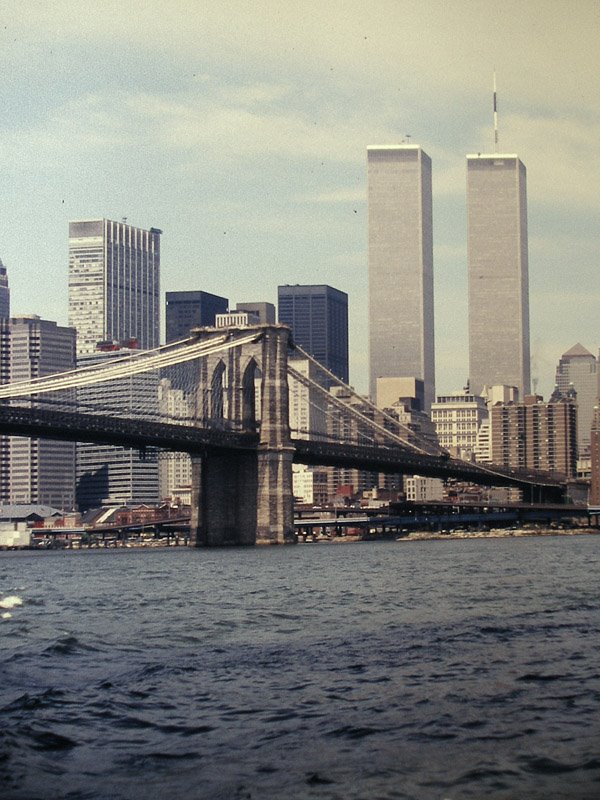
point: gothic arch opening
(249, 411)
(217, 394)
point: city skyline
(259, 181)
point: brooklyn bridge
(233, 419)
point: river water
(433, 669)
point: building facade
(400, 245)
(175, 469)
(114, 283)
(4, 293)
(419, 489)
(264, 311)
(577, 369)
(498, 272)
(36, 470)
(594, 499)
(318, 317)
(458, 418)
(108, 475)
(536, 435)
(187, 310)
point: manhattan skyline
(245, 143)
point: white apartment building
(457, 418)
(420, 489)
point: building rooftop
(491, 155)
(24, 510)
(577, 350)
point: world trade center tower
(498, 272)
(401, 327)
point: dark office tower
(318, 317)
(187, 310)
(4, 293)
(498, 272)
(114, 283)
(401, 324)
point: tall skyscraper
(577, 368)
(36, 470)
(4, 292)
(318, 317)
(187, 310)
(498, 272)
(114, 283)
(401, 325)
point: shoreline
(414, 536)
(497, 533)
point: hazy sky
(240, 129)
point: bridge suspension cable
(134, 364)
(413, 439)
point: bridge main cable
(145, 361)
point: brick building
(536, 435)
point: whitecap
(11, 602)
(6, 615)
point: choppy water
(437, 669)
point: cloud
(384, 42)
(563, 159)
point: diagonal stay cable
(354, 412)
(426, 447)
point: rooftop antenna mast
(495, 117)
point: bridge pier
(247, 498)
(223, 499)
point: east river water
(433, 669)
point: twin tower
(401, 313)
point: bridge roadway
(124, 432)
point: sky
(240, 130)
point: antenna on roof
(495, 117)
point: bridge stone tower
(245, 497)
